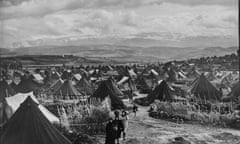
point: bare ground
(146, 130)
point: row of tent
(34, 81)
(201, 88)
(107, 88)
(121, 71)
(66, 89)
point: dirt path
(146, 130)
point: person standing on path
(125, 123)
(116, 113)
(117, 126)
(135, 108)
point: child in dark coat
(110, 137)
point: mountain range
(122, 51)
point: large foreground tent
(108, 88)
(204, 90)
(15, 101)
(161, 92)
(28, 125)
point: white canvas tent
(38, 77)
(132, 73)
(181, 75)
(154, 72)
(124, 79)
(77, 77)
(15, 101)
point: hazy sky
(39, 22)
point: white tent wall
(15, 101)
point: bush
(179, 111)
(93, 122)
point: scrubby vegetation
(90, 118)
(180, 113)
(93, 122)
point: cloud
(231, 19)
(43, 7)
(37, 22)
(204, 2)
(101, 22)
(21, 30)
(7, 3)
(23, 8)
(76, 24)
(32, 8)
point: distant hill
(134, 53)
(7, 52)
(210, 51)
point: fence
(88, 128)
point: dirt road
(146, 130)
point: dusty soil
(146, 130)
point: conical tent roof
(132, 85)
(97, 73)
(172, 75)
(54, 75)
(66, 91)
(122, 71)
(127, 83)
(235, 93)
(56, 85)
(67, 74)
(107, 88)
(132, 73)
(26, 85)
(29, 126)
(211, 75)
(181, 75)
(15, 101)
(113, 86)
(85, 86)
(193, 74)
(153, 74)
(161, 92)
(204, 89)
(142, 83)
